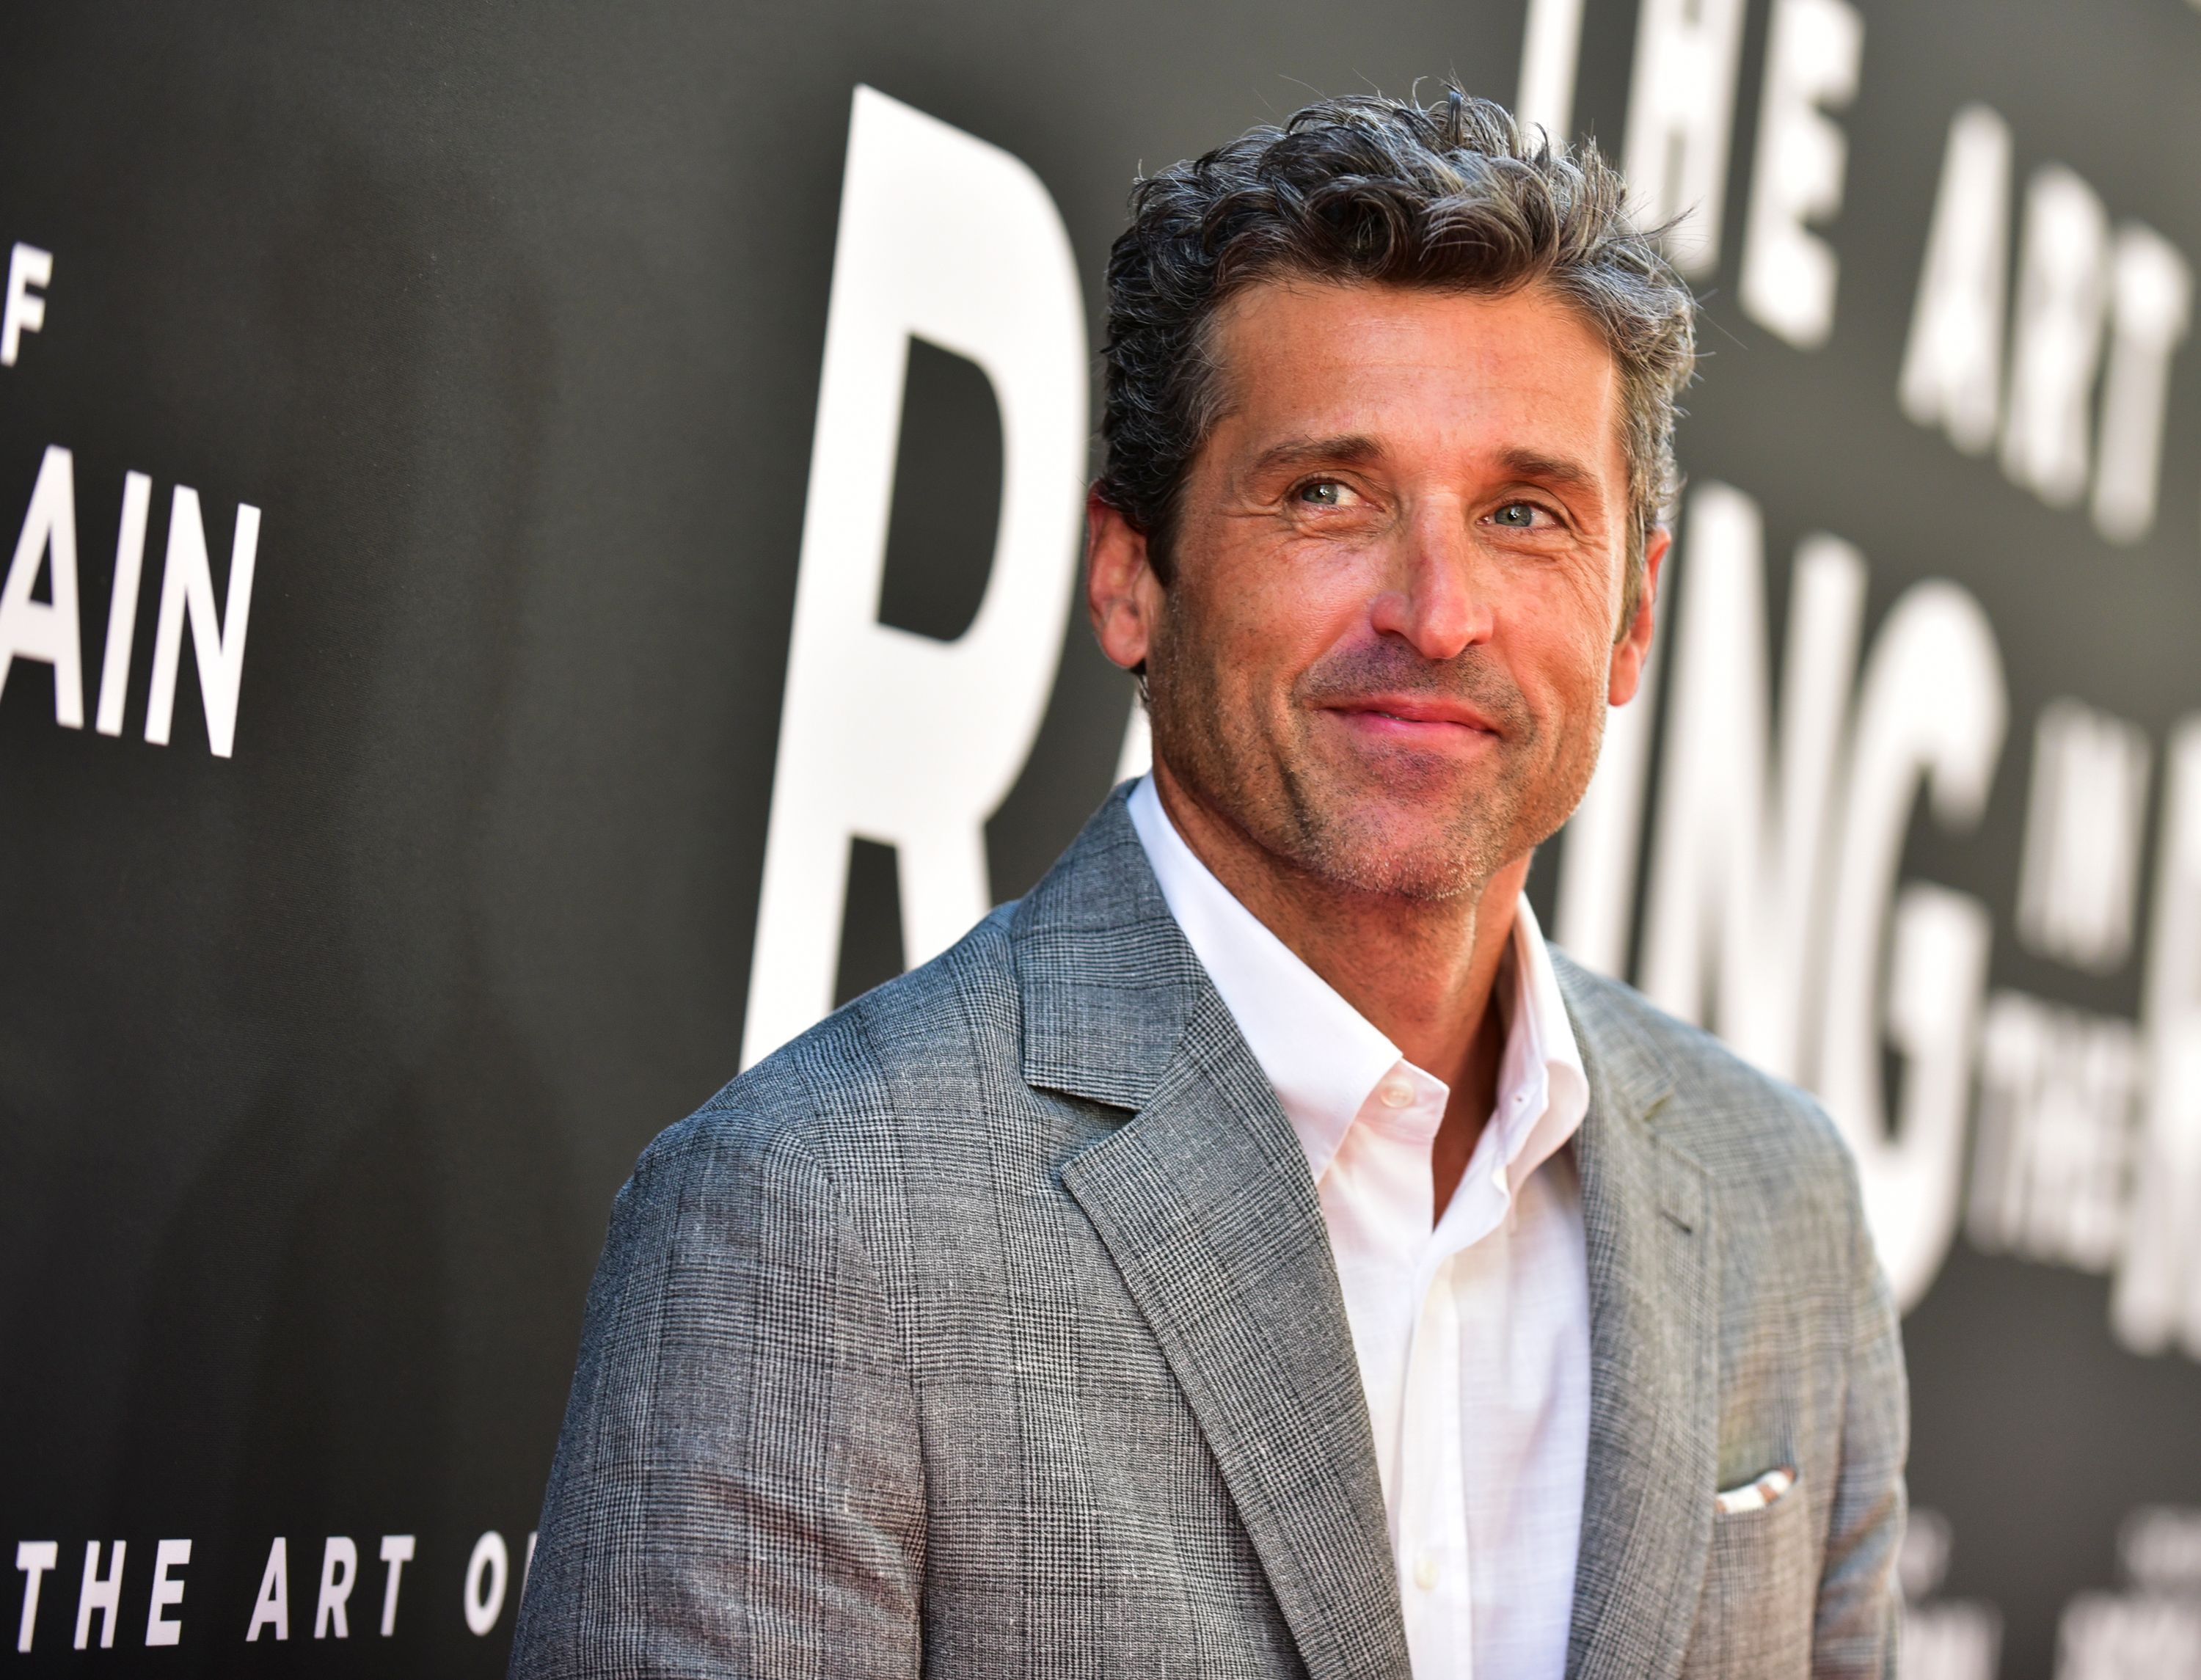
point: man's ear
(1122, 593)
(1634, 648)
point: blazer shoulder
(916, 1044)
(1736, 1119)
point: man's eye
(1520, 515)
(1323, 493)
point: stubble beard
(1270, 780)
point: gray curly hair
(1383, 191)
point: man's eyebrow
(1348, 449)
(1549, 469)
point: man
(1256, 1252)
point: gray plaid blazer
(991, 1329)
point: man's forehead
(1375, 314)
(1315, 372)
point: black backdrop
(320, 1061)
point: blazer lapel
(1203, 1200)
(1647, 1213)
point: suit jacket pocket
(1761, 1593)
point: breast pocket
(1761, 1592)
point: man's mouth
(1419, 718)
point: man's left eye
(1521, 515)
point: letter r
(884, 734)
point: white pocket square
(1754, 1495)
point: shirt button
(1395, 1093)
(1425, 1570)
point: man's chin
(1413, 792)
(1397, 859)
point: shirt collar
(1322, 1056)
(1543, 1089)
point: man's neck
(1424, 972)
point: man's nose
(1436, 597)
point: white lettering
(1550, 51)
(169, 1556)
(486, 1570)
(217, 640)
(1931, 712)
(1952, 367)
(2160, 1545)
(896, 738)
(1951, 1642)
(1681, 107)
(2151, 299)
(1603, 836)
(25, 310)
(1921, 1563)
(122, 605)
(103, 1593)
(2158, 1298)
(272, 1609)
(2055, 339)
(34, 1558)
(2080, 869)
(2114, 1635)
(2058, 1089)
(396, 1552)
(339, 1571)
(47, 631)
(1734, 888)
(1788, 272)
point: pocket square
(1754, 1495)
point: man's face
(1387, 649)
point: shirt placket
(1435, 1564)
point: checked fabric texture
(991, 1329)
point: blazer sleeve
(737, 1489)
(1860, 1607)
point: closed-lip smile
(1415, 713)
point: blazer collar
(1652, 1241)
(1203, 1199)
(1108, 980)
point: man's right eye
(1323, 493)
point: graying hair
(1385, 191)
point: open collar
(1323, 1056)
(1203, 1200)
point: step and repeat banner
(543, 559)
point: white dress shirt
(1472, 1337)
